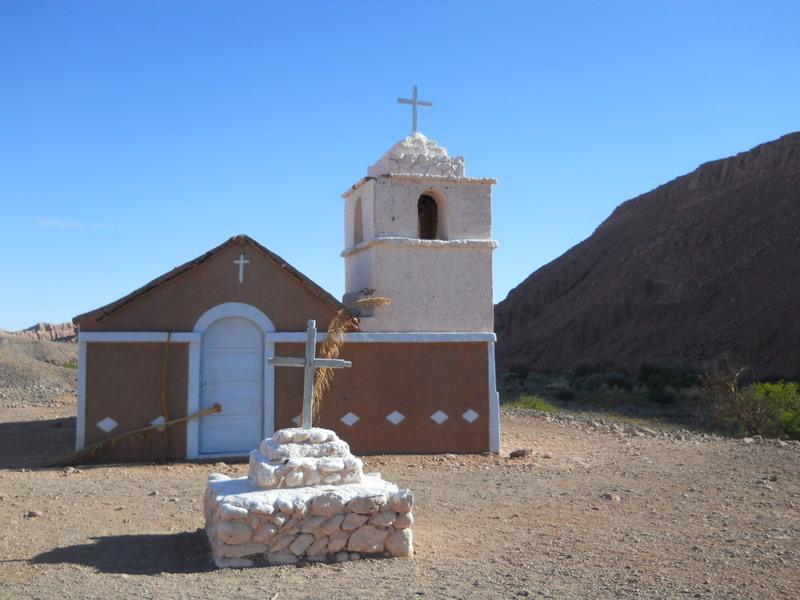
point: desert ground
(596, 509)
(591, 512)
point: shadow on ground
(186, 552)
(34, 444)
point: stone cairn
(305, 498)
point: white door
(233, 377)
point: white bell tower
(419, 231)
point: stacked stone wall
(247, 526)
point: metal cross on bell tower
(414, 102)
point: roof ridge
(105, 311)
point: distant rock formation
(705, 265)
(59, 332)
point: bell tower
(419, 231)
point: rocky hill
(58, 332)
(705, 265)
(36, 372)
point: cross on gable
(414, 102)
(241, 262)
(309, 363)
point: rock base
(249, 526)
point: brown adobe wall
(123, 381)
(414, 379)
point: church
(417, 230)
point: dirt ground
(588, 514)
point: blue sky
(136, 135)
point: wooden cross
(309, 363)
(414, 102)
(241, 262)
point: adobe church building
(417, 230)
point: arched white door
(232, 375)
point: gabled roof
(104, 311)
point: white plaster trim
(407, 242)
(80, 426)
(439, 178)
(234, 309)
(137, 336)
(411, 177)
(287, 337)
(494, 404)
(193, 401)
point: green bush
(534, 403)
(770, 409)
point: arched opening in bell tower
(428, 213)
(358, 223)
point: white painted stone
(338, 541)
(297, 457)
(318, 548)
(229, 511)
(266, 532)
(301, 544)
(332, 525)
(416, 154)
(352, 514)
(239, 550)
(234, 532)
(400, 543)
(367, 539)
(403, 501)
(353, 521)
(404, 520)
(366, 505)
(327, 504)
(282, 543)
(383, 519)
(311, 524)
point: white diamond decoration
(439, 416)
(470, 416)
(349, 419)
(297, 420)
(158, 421)
(107, 424)
(395, 418)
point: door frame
(194, 400)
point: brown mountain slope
(704, 265)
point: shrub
(770, 409)
(534, 403)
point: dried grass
(344, 321)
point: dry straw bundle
(344, 321)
